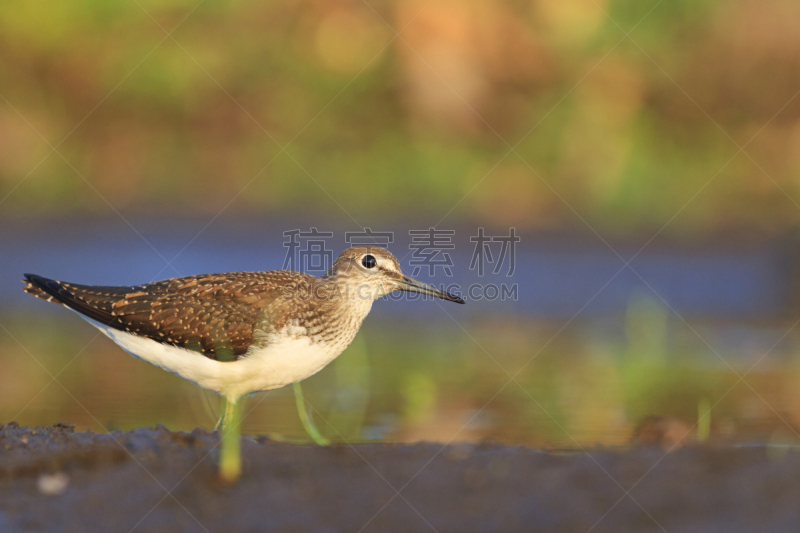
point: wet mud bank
(152, 480)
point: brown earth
(55, 479)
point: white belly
(287, 361)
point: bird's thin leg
(230, 455)
(305, 419)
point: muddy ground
(154, 480)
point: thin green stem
(306, 420)
(703, 419)
(230, 455)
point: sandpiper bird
(242, 332)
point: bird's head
(372, 272)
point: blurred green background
(396, 125)
(616, 119)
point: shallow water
(513, 381)
(581, 357)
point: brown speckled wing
(214, 314)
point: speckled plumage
(214, 314)
(257, 318)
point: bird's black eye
(369, 261)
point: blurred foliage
(411, 382)
(625, 130)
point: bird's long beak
(412, 285)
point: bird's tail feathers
(54, 291)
